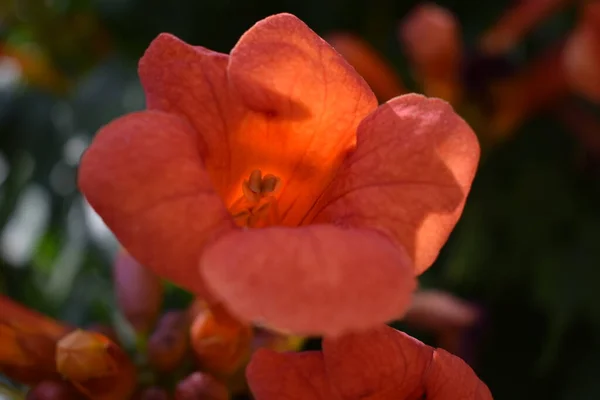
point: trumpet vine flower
(268, 180)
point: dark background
(526, 250)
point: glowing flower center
(257, 207)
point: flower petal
(450, 378)
(379, 362)
(192, 82)
(318, 279)
(376, 70)
(408, 178)
(143, 175)
(310, 101)
(290, 376)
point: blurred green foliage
(527, 248)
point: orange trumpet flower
(352, 201)
(379, 364)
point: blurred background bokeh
(526, 252)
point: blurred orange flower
(379, 364)
(582, 53)
(538, 86)
(432, 40)
(516, 23)
(27, 343)
(281, 134)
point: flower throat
(257, 207)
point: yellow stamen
(257, 206)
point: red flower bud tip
(53, 390)
(201, 386)
(169, 342)
(139, 292)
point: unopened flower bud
(53, 390)
(169, 343)
(153, 393)
(95, 366)
(220, 342)
(201, 386)
(431, 37)
(139, 292)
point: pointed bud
(53, 390)
(431, 38)
(201, 386)
(169, 343)
(379, 74)
(95, 365)
(221, 343)
(139, 292)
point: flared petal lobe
(143, 175)
(317, 279)
(381, 361)
(378, 72)
(450, 378)
(408, 178)
(382, 364)
(293, 376)
(191, 81)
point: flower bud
(53, 390)
(431, 38)
(96, 366)
(220, 342)
(27, 343)
(201, 386)
(153, 393)
(169, 343)
(139, 292)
